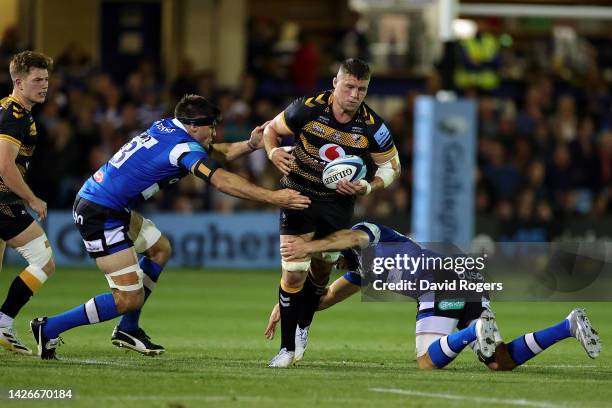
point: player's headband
(202, 121)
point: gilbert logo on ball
(331, 152)
(349, 168)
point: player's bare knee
(294, 272)
(128, 301)
(161, 251)
(293, 279)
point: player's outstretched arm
(338, 291)
(224, 152)
(295, 248)
(272, 135)
(14, 181)
(236, 186)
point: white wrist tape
(386, 172)
(367, 186)
(285, 148)
(271, 152)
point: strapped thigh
(125, 271)
(147, 236)
(292, 266)
(37, 252)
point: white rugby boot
(485, 333)
(583, 331)
(9, 340)
(283, 359)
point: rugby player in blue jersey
(436, 342)
(113, 233)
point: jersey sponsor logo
(98, 176)
(451, 305)
(323, 119)
(160, 126)
(383, 136)
(318, 129)
(357, 129)
(331, 151)
(78, 219)
(94, 246)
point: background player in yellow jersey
(30, 75)
(323, 127)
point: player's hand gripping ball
(351, 168)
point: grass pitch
(360, 354)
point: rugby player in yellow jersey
(323, 127)
(30, 75)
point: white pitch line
(559, 366)
(455, 397)
(96, 362)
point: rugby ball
(349, 168)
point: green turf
(211, 323)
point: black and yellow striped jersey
(16, 126)
(320, 138)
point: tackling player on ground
(30, 75)
(436, 344)
(113, 234)
(323, 127)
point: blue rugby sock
(526, 347)
(445, 349)
(152, 270)
(98, 309)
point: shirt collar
(179, 124)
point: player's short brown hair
(356, 67)
(23, 62)
(194, 107)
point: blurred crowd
(544, 149)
